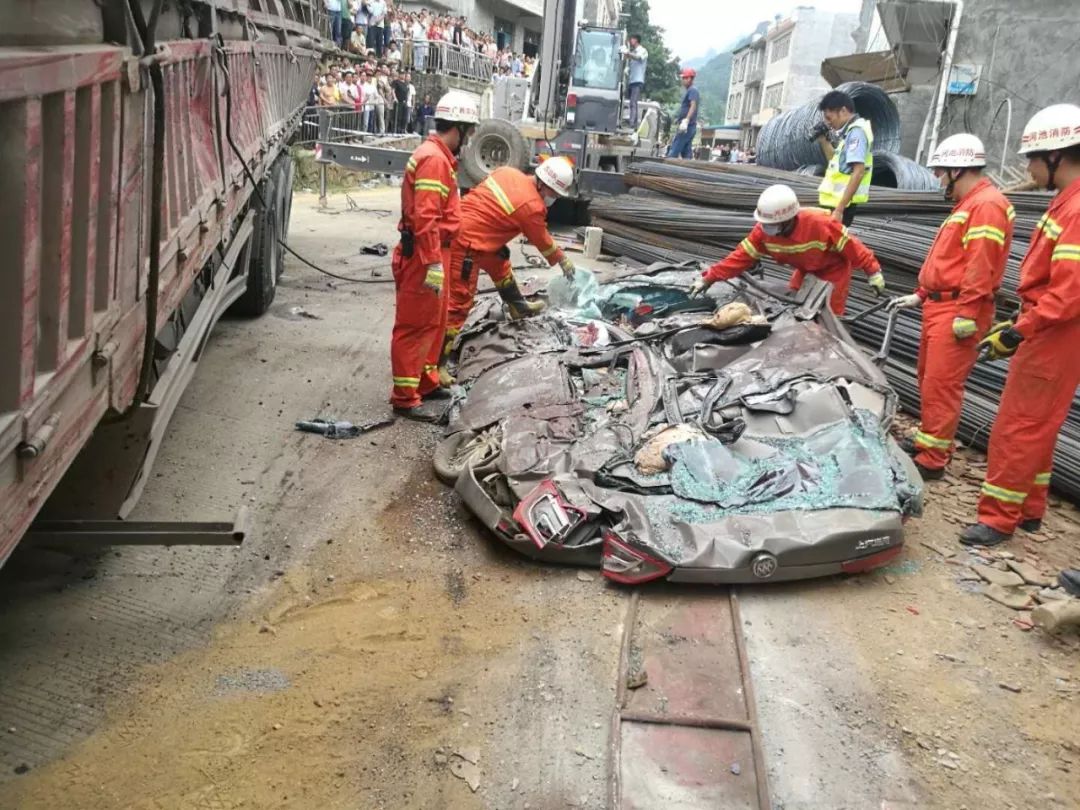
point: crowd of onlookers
(413, 39)
(383, 98)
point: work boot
(982, 535)
(421, 413)
(1069, 579)
(930, 473)
(516, 303)
(1030, 525)
(907, 444)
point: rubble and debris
(300, 312)
(1057, 615)
(1012, 597)
(651, 459)
(1005, 579)
(467, 771)
(377, 249)
(1030, 574)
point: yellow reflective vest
(834, 183)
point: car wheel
(456, 453)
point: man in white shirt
(420, 46)
(376, 19)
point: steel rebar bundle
(783, 142)
(681, 210)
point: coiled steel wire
(784, 141)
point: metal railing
(425, 56)
(345, 124)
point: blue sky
(693, 26)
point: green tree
(662, 73)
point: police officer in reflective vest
(847, 178)
(429, 222)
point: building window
(774, 94)
(781, 47)
(732, 113)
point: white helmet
(557, 173)
(959, 151)
(1054, 127)
(458, 107)
(776, 204)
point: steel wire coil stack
(680, 210)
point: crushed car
(736, 437)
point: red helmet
(688, 73)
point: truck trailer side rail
(76, 140)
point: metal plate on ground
(684, 731)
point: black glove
(821, 128)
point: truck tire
(266, 256)
(288, 176)
(494, 144)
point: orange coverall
(958, 279)
(430, 211)
(1043, 373)
(505, 205)
(818, 245)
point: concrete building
(780, 68)
(1011, 58)
(516, 23)
(602, 12)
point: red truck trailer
(144, 179)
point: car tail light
(873, 561)
(546, 516)
(571, 100)
(628, 565)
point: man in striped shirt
(956, 290)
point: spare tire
(459, 451)
(494, 144)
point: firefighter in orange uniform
(956, 290)
(808, 239)
(429, 221)
(1045, 370)
(506, 204)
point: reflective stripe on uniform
(430, 367)
(985, 232)
(959, 218)
(926, 440)
(432, 185)
(549, 251)
(841, 243)
(1066, 252)
(802, 247)
(1002, 494)
(406, 382)
(1010, 212)
(1042, 479)
(500, 195)
(410, 167)
(748, 246)
(1049, 227)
